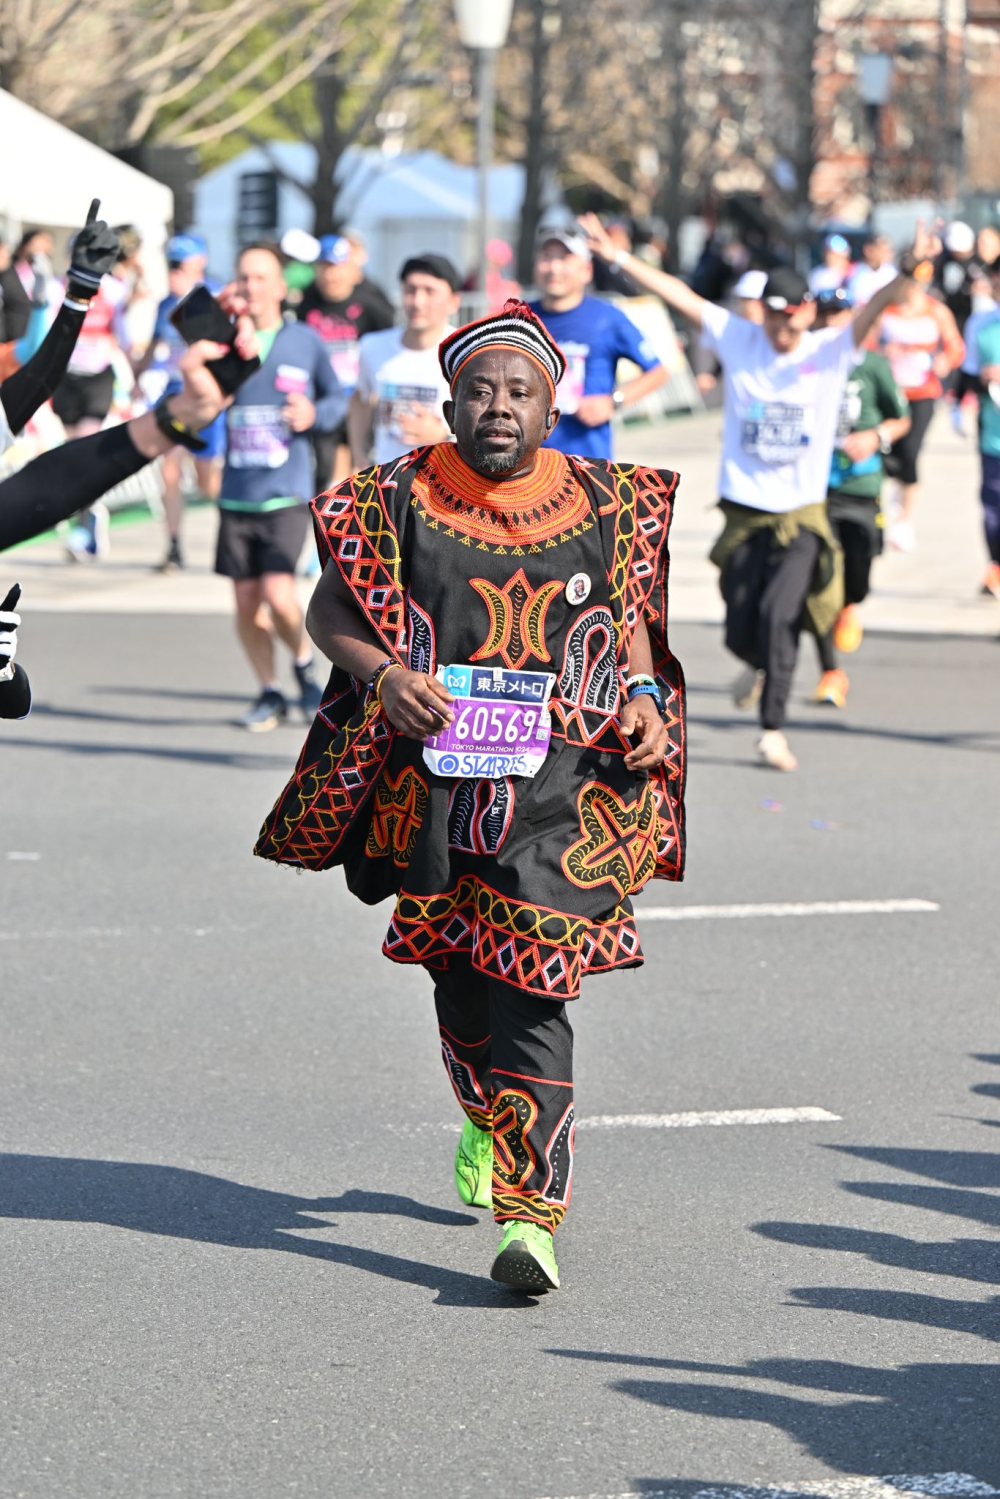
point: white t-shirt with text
(400, 380)
(780, 410)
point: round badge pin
(578, 589)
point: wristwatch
(175, 430)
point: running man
(593, 337)
(158, 375)
(269, 474)
(534, 587)
(987, 359)
(777, 556)
(400, 396)
(873, 416)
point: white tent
(49, 175)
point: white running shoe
(772, 750)
(748, 687)
(902, 536)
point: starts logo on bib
(774, 432)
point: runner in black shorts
(873, 417)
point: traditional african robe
(531, 879)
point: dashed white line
(895, 1486)
(786, 908)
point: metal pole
(484, 138)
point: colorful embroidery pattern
(514, 1112)
(589, 677)
(479, 814)
(517, 619)
(354, 521)
(398, 810)
(468, 1089)
(617, 843)
(537, 949)
(512, 516)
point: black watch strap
(175, 430)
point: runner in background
(158, 375)
(873, 415)
(987, 360)
(267, 482)
(779, 562)
(400, 396)
(919, 338)
(876, 269)
(593, 336)
(836, 266)
(341, 308)
(373, 293)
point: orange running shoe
(848, 631)
(991, 582)
(832, 689)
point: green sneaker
(525, 1259)
(474, 1166)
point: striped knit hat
(516, 327)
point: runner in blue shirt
(593, 336)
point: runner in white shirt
(397, 404)
(783, 389)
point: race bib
(774, 432)
(257, 437)
(502, 725)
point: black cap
(438, 266)
(786, 290)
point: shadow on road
(182, 1204)
(232, 760)
(981, 741)
(929, 1418)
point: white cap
(750, 286)
(959, 238)
(298, 245)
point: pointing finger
(95, 208)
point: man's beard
(498, 463)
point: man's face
(877, 252)
(558, 273)
(182, 275)
(260, 279)
(38, 244)
(501, 411)
(335, 282)
(428, 302)
(836, 259)
(784, 329)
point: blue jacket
(265, 459)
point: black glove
(95, 250)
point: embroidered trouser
(509, 1058)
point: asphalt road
(231, 1260)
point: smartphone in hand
(198, 315)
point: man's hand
(95, 251)
(598, 239)
(299, 412)
(418, 426)
(641, 720)
(860, 445)
(200, 400)
(594, 411)
(416, 704)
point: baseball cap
(835, 299)
(570, 239)
(785, 290)
(298, 245)
(181, 247)
(750, 286)
(334, 249)
(959, 238)
(837, 242)
(438, 266)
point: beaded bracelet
(640, 676)
(379, 674)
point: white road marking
(785, 908)
(78, 933)
(24, 858)
(895, 1486)
(808, 1114)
